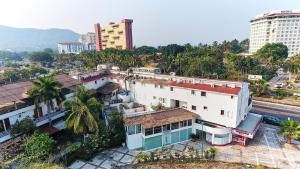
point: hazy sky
(155, 22)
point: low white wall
(134, 141)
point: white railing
(49, 117)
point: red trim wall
(98, 37)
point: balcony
(49, 117)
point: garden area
(85, 132)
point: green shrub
(38, 147)
(25, 126)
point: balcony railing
(49, 117)
(4, 133)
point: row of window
(168, 127)
(222, 112)
(134, 129)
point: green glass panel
(175, 137)
(183, 135)
(189, 132)
(152, 142)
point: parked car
(296, 94)
(272, 120)
(280, 85)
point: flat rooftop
(250, 123)
(196, 86)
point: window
(138, 129)
(204, 107)
(131, 129)
(155, 85)
(190, 122)
(222, 112)
(1, 126)
(166, 127)
(194, 107)
(175, 126)
(171, 89)
(154, 97)
(203, 93)
(95, 81)
(148, 131)
(161, 86)
(193, 92)
(157, 129)
(231, 97)
(183, 123)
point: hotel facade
(161, 110)
(114, 35)
(158, 110)
(276, 27)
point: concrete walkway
(265, 149)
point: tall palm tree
(83, 116)
(290, 129)
(46, 90)
(259, 88)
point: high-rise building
(276, 27)
(114, 35)
(86, 43)
(87, 38)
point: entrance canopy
(249, 126)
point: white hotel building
(276, 27)
(216, 109)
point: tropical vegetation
(84, 112)
(46, 90)
(25, 126)
(290, 129)
(38, 147)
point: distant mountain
(31, 39)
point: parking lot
(266, 149)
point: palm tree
(259, 88)
(290, 129)
(46, 90)
(83, 116)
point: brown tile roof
(160, 118)
(18, 91)
(108, 88)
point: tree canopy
(272, 53)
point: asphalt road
(278, 110)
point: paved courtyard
(266, 149)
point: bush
(43, 166)
(116, 129)
(25, 126)
(96, 142)
(38, 147)
(142, 157)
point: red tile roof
(93, 78)
(207, 87)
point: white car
(296, 94)
(278, 85)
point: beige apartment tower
(114, 35)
